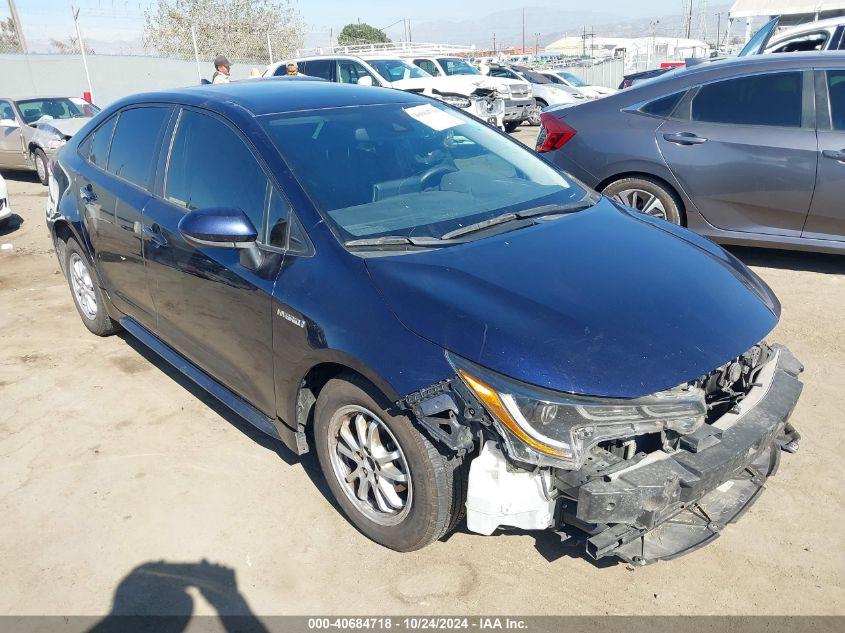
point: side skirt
(212, 386)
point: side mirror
(221, 227)
(366, 80)
(9, 123)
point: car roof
(274, 95)
(808, 27)
(759, 63)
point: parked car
(447, 320)
(519, 98)
(633, 79)
(745, 151)
(31, 130)
(480, 98)
(821, 35)
(545, 92)
(564, 78)
(5, 206)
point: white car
(545, 92)
(519, 97)
(563, 78)
(5, 207)
(471, 94)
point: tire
(510, 126)
(418, 511)
(648, 196)
(534, 119)
(39, 159)
(86, 292)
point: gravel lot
(117, 473)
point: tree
(238, 29)
(69, 46)
(361, 33)
(9, 40)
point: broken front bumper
(668, 504)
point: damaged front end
(643, 480)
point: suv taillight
(554, 133)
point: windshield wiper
(546, 209)
(394, 240)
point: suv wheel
(87, 295)
(534, 117)
(39, 159)
(647, 196)
(390, 481)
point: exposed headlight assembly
(55, 143)
(456, 101)
(557, 429)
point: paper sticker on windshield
(433, 117)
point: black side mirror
(221, 227)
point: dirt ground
(118, 479)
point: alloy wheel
(642, 201)
(83, 286)
(369, 465)
(40, 168)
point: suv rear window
(773, 99)
(134, 148)
(836, 90)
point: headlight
(456, 101)
(502, 90)
(55, 143)
(557, 429)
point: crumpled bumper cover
(660, 509)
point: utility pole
(718, 29)
(13, 10)
(494, 44)
(523, 30)
(689, 19)
(536, 43)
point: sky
(45, 18)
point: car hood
(459, 84)
(602, 302)
(65, 127)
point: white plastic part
(496, 496)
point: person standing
(222, 68)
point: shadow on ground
(154, 597)
(790, 260)
(20, 176)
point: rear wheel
(647, 196)
(39, 159)
(390, 481)
(87, 294)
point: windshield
(573, 80)
(411, 169)
(396, 69)
(758, 42)
(454, 66)
(36, 110)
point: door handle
(154, 235)
(87, 194)
(835, 155)
(685, 138)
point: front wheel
(647, 196)
(39, 159)
(390, 481)
(534, 117)
(510, 126)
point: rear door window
(349, 72)
(100, 141)
(773, 99)
(428, 66)
(135, 145)
(662, 107)
(836, 91)
(321, 68)
(210, 166)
